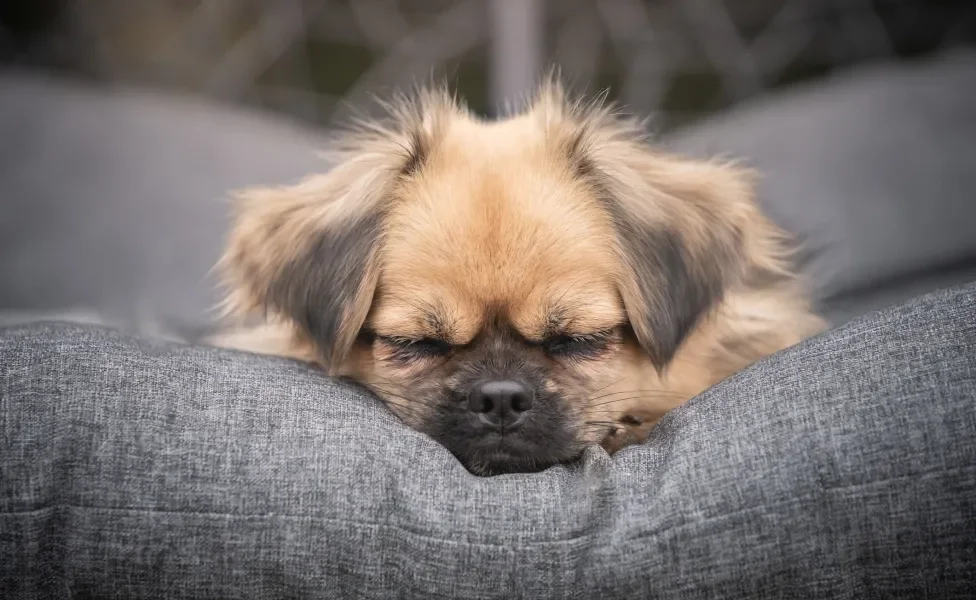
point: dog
(517, 289)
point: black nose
(500, 403)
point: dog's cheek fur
(413, 391)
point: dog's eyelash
(409, 348)
(578, 346)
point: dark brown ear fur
(306, 254)
(687, 231)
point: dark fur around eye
(577, 346)
(409, 349)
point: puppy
(516, 289)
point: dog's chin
(504, 454)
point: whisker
(618, 400)
(663, 397)
(651, 391)
(612, 383)
(413, 401)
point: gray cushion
(137, 469)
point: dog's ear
(306, 254)
(686, 230)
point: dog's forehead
(496, 200)
(506, 226)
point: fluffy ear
(686, 231)
(306, 254)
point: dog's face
(497, 316)
(509, 288)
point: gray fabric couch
(136, 468)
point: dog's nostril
(480, 403)
(500, 398)
(521, 402)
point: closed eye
(584, 346)
(409, 348)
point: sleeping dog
(517, 289)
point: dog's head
(506, 287)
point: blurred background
(125, 123)
(312, 59)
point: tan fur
(508, 220)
